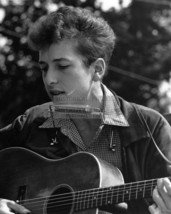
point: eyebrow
(56, 60)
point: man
(74, 50)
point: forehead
(65, 49)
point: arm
(9, 136)
(157, 158)
(15, 134)
(162, 192)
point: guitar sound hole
(60, 201)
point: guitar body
(35, 181)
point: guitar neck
(100, 197)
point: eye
(63, 67)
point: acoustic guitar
(80, 183)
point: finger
(17, 207)
(157, 199)
(153, 209)
(165, 182)
(164, 189)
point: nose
(51, 76)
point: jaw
(95, 98)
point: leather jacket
(146, 143)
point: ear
(99, 69)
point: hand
(161, 197)
(10, 207)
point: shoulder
(130, 108)
(38, 113)
(38, 110)
(34, 115)
(133, 111)
(149, 113)
(24, 125)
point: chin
(60, 100)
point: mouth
(56, 92)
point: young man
(74, 50)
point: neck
(95, 101)
(95, 97)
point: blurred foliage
(143, 48)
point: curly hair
(93, 35)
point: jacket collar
(136, 130)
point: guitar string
(89, 195)
(120, 187)
(91, 190)
(85, 201)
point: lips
(56, 92)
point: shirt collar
(112, 114)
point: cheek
(76, 82)
(78, 88)
(46, 88)
(43, 78)
(45, 84)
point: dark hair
(93, 36)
